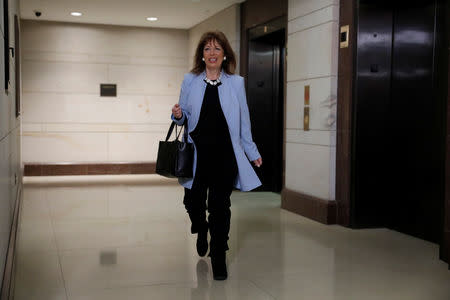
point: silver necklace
(213, 82)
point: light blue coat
(234, 107)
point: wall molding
(8, 274)
(320, 210)
(61, 169)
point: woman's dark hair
(228, 65)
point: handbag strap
(185, 135)
(177, 133)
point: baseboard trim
(314, 208)
(8, 274)
(35, 169)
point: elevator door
(265, 100)
(414, 112)
(371, 148)
(398, 163)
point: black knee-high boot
(195, 204)
(219, 225)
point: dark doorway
(399, 120)
(265, 88)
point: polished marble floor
(127, 237)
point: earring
(203, 59)
(224, 58)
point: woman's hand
(258, 162)
(177, 112)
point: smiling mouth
(213, 60)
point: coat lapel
(225, 96)
(196, 98)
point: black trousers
(213, 183)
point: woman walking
(213, 103)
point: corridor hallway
(127, 237)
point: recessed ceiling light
(76, 14)
(152, 19)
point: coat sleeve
(182, 101)
(245, 128)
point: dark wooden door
(265, 100)
(416, 125)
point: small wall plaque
(306, 95)
(306, 119)
(344, 36)
(108, 90)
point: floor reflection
(201, 291)
(132, 241)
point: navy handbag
(175, 158)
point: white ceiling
(181, 14)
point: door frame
(255, 13)
(445, 247)
(272, 176)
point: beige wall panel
(323, 93)
(65, 147)
(107, 40)
(64, 64)
(312, 137)
(298, 8)
(308, 170)
(2, 26)
(4, 116)
(179, 62)
(13, 121)
(160, 80)
(73, 127)
(5, 210)
(78, 108)
(329, 13)
(6, 197)
(157, 109)
(5, 172)
(63, 77)
(4, 100)
(79, 127)
(31, 127)
(57, 108)
(5, 191)
(30, 55)
(9, 141)
(14, 158)
(312, 60)
(310, 53)
(164, 127)
(164, 42)
(134, 146)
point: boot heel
(219, 266)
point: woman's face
(213, 54)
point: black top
(212, 127)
